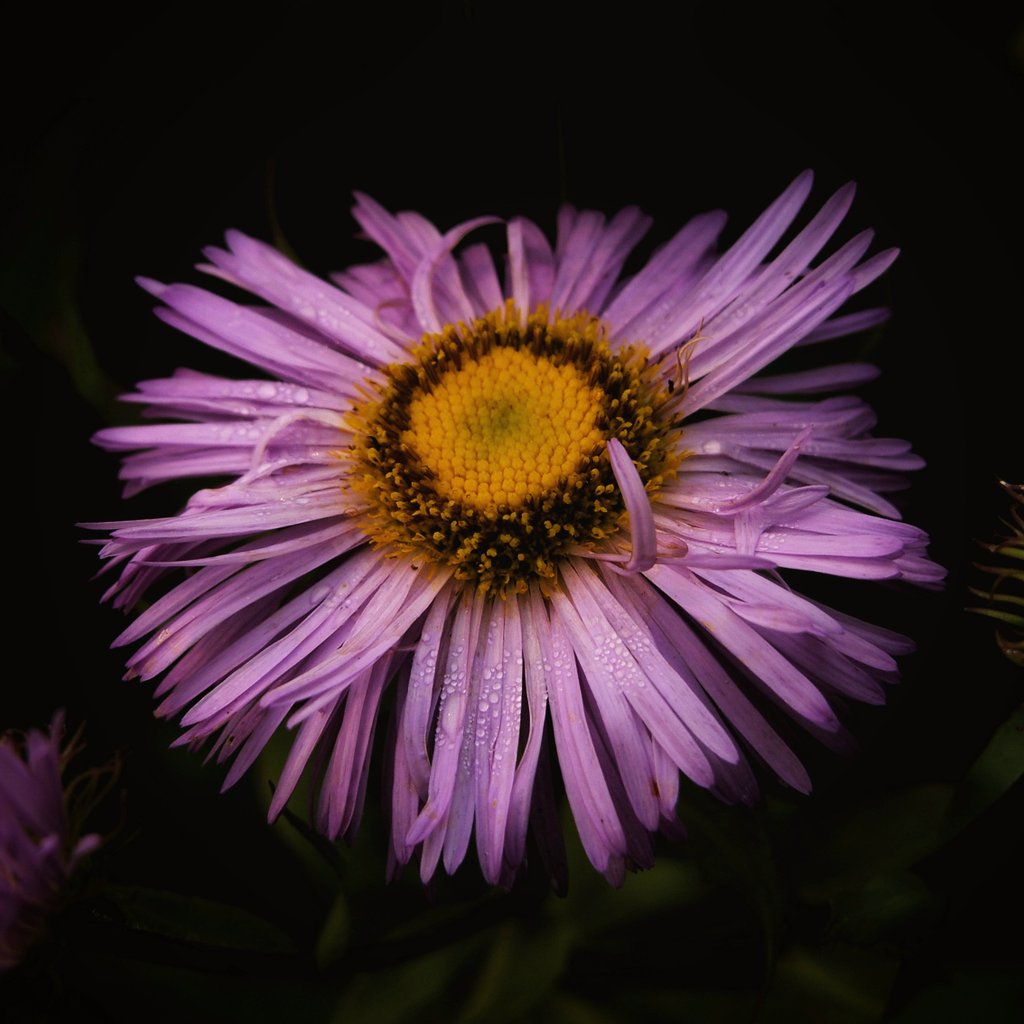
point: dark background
(882, 896)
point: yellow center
(504, 428)
(487, 450)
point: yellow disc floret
(487, 452)
(505, 428)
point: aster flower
(547, 510)
(39, 846)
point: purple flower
(547, 507)
(38, 846)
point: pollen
(487, 451)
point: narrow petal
(767, 667)
(536, 685)
(634, 497)
(718, 286)
(451, 717)
(265, 272)
(548, 647)
(456, 304)
(497, 734)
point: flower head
(39, 847)
(546, 509)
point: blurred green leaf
(332, 943)
(733, 853)
(405, 992)
(669, 1006)
(887, 833)
(522, 966)
(328, 853)
(194, 920)
(840, 984)
(988, 995)
(564, 1008)
(135, 990)
(1000, 765)
(882, 907)
(40, 291)
(448, 922)
(592, 906)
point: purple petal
(638, 506)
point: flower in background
(39, 842)
(547, 507)
(1005, 595)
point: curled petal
(638, 506)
